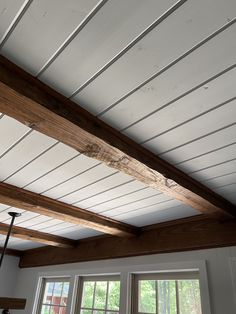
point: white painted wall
(217, 270)
(8, 276)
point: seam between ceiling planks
(15, 21)
(78, 29)
(164, 16)
(213, 78)
(168, 66)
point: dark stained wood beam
(12, 252)
(37, 236)
(23, 199)
(12, 304)
(187, 234)
(31, 102)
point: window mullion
(157, 298)
(107, 297)
(177, 296)
(53, 293)
(94, 292)
(52, 298)
(61, 293)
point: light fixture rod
(13, 215)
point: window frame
(124, 269)
(44, 281)
(96, 278)
(160, 276)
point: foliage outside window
(99, 295)
(54, 296)
(155, 294)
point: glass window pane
(167, 297)
(147, 296)
(65, 292)
(54, 310)
(189, 297)
(88, 292)
(113, 302)
(49, 287)
(45, 309)
(56, 299)
(63, 310)
(100, 295)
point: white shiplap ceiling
(162, 72)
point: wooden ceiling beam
(37, 236)
(12, 303)
(16, 197)
(12, 252)
(31, 102)
(187, 234)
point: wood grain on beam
(12, 252)
(20, 198)
(188, 234)
(37, 236)
(31, 102)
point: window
(54, 296)
(100, 295)
(166, 294)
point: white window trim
(232, 264)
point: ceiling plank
(187, 234)
(31, 102)
(16, 197)
(37, 236)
